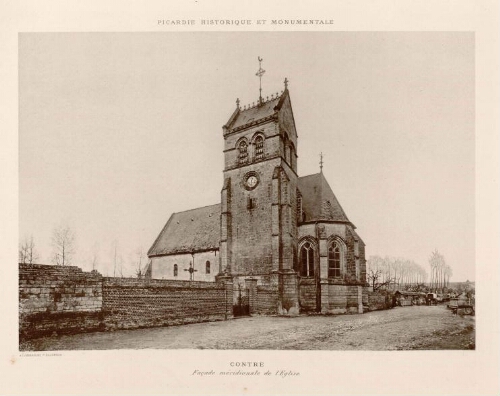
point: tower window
(243, 152)
(176, 270)
(251, 203)
(207, 267)
(259, 148)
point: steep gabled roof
(257, 112)
(190, 231)
(318, 200)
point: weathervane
(321, 162)
(259, 74)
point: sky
(119, 130)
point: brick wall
(58, 299)
(67, 300)
(134, 303)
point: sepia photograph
(285, 190)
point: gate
(242, 306)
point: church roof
(188, 232)
(253, 113)
(318, 200)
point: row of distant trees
(393, 273)
(64, 249)
(390, 272)
(440, 271)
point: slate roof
(319, 201)
(255, 113)
(190, 231)
(248, 114)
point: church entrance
(242, 304)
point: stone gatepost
(360, 299)
(289, 292)
(251, 286)
(227, 281)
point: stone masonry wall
(307, 298)
(266, 300)
(58, 299)
(343, 299)
(378, 301)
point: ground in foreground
(401, 328)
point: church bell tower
(259, 193)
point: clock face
(252, 181)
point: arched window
(176, 269)
(334, 260)
(259, 148)
(207, 267)
(243, 152)
(307, 259)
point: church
(273, 230)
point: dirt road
(401, 328)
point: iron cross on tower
(321, 162)
(260, 73)
(191, 271)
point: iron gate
(242, 305)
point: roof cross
(286, 83)
(321, 162)
(259, 74)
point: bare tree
(94, 258)
(438, 266)
(139, 258)
(376, 280)
(391, 272)
(115, 248)
(63, 244)
(27, 251)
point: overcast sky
(117, 131)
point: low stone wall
(58, 299)
(135, 303)
(378, 301)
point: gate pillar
(289, 292)
(227, 281)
